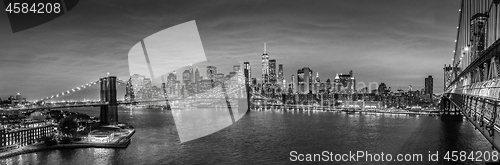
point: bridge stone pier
(109, 112)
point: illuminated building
(171, 79)
(345, 83)
(272, 71)
(304, 77)
(197, 76)
(147, 82)
(246, 65)
(211, 72)
(219, 77)
(247, 70)
(281, 78)
(265, 66)
(186, 77)
(29, 133)
(328, 85)
(101, 136)
(429, 87)
(137, 81)
(192, 79)
(316, 84)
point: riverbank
(329, 109)
(122, 142)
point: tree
(68, 126)
(37, 116)
(49, 140)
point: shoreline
(425, 113)
(41, 147)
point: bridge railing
(482, 110)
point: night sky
(398, 42)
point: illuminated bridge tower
(109, 112)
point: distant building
(236, 68)
(254, 81)
(147, 83)
(171, 79)
(137, 81)
(211, 72)
(281, 78)
(345, 83)
(246, 65)
(429, 85)
(265, 66)
(186, 77)
(219, 77)
(272, 71)
(192, 79)
(429, 88)
(197, 76)
(328, 85)
(304, 77)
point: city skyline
(399, 46)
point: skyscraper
(186, 77)
(197, 77)
(328, 85)
(171, 79)
(211, 72)
(137, 81)
(265, 66)
(429, 86)
(316, 84)
(304, 77)
(272, 71)
(294, 84)
(280, 76)
(246, 65)
(191, 74)
(345, 83)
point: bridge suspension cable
(477, 34)
(70, 91)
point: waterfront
(269, 136)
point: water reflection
(102, 155)
(266, 137)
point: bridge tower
(109, 112)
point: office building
(211, 72)
(265, 66)
(304, 78)
(197, 76)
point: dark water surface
(268, 137)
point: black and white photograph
(105, 82)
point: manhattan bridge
(472, 80)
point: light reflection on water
(268, 137)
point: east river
(269, 137)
